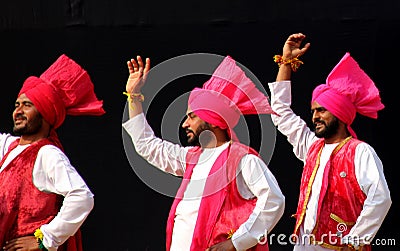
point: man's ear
(46, 125)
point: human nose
(18, 109)
(315, 115)
(185, 123)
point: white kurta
(54, 173)
(254, 180)
(368, 170)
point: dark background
(102, 35)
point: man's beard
(329, 130)
(202, 136)
(31, 127)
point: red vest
(23, 208)
(223, 210)
(341, 199)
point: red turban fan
(63, 89)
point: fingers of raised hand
(147, 65)
(296, 38)
(132, 66)
(135, 64)
(137, 68)
(140, 63)
(305, 48)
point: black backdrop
(101, 35)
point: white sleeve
(288, 123)
(256, 180)
(54, 173)
(166, 156)
(5, 140)
(371, 178)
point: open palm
(137, 74)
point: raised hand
(292, 49)
(289, 61)
(137, 74)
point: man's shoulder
(5, 141)
(7, 137)
(242, 148)
(51, 148)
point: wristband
(132, 96)
(294, 62)
(39, 237)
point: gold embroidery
(326, 245)
(340, 220)
(308, 192)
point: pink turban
(64, 88)
(348, 90)
(228, 94)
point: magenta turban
(348, 90)
(228, 94)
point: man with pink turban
(344, 197)
(43, 199)
(228, 198)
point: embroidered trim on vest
(326, 245)
(340, 220)
(311, 181)
(321, 243)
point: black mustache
(318, 121)
(20, 116)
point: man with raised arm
(344, 197)
(228, 198)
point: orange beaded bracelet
(294, 62)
